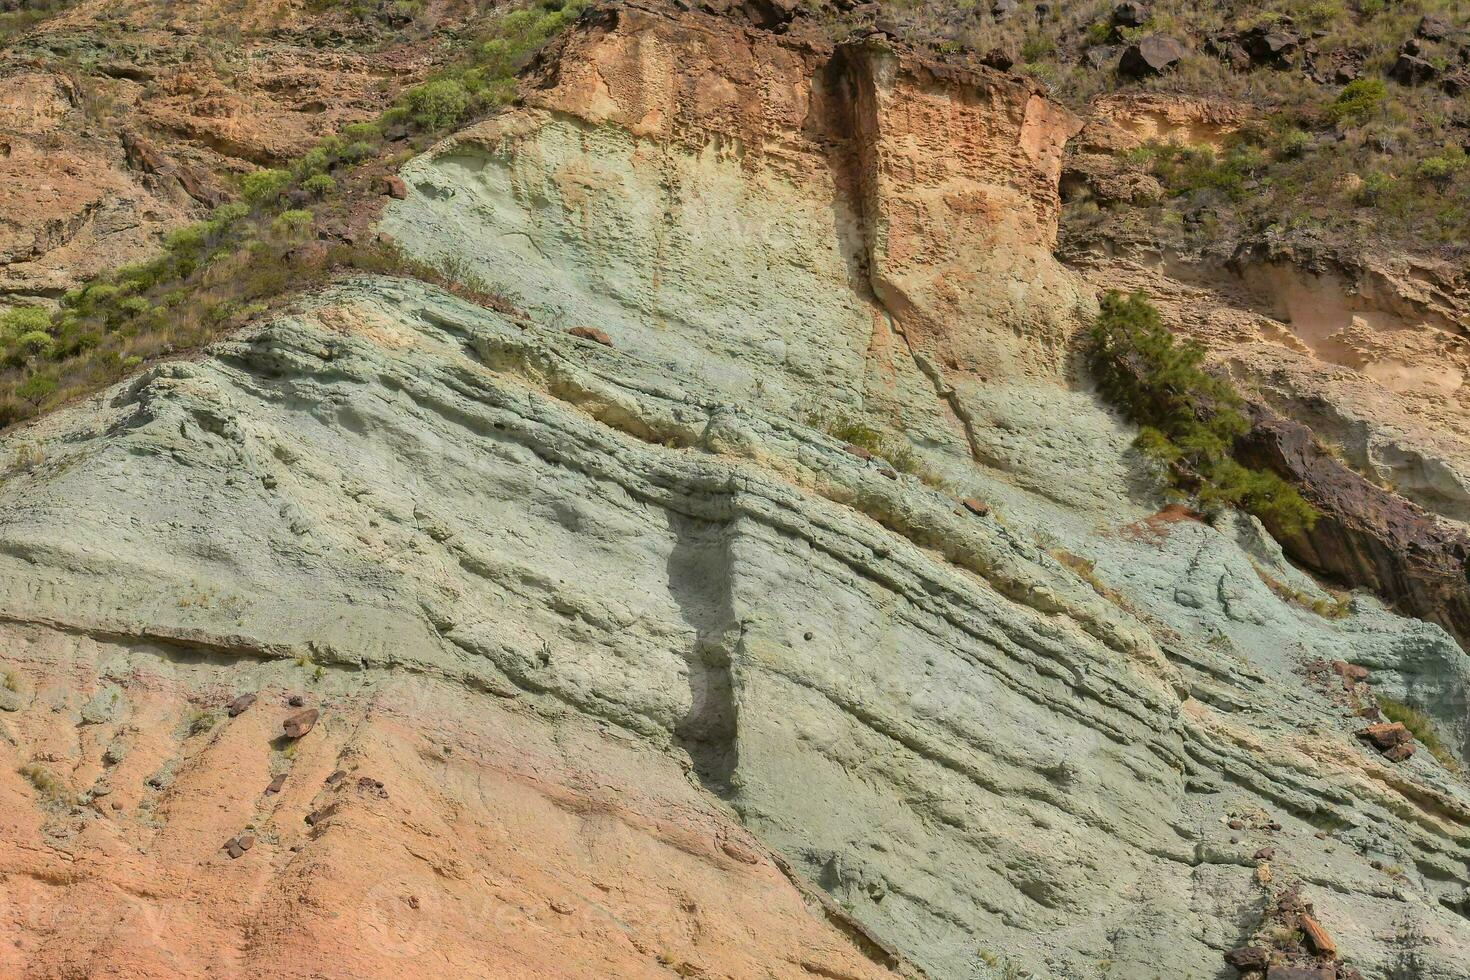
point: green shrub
(439, 104)
(36, 388)
(35, 343)
(1188, 418)
(23, 320)
(319, 185)
(355, 153)
(134, 306)
(227, 214)
(264, 186)
(1374, 186)
(1441, 167)
(1293, 144)
(362, 131)
(317, 160)
(292, 222)
(1359, 100)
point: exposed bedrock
(631, 668)
(1369, 538)
(978, 755)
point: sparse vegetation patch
(1188, 418)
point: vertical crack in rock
(856, 69)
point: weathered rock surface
(624, 668)
(1367, 536)
(451, 505)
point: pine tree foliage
(1188, 418)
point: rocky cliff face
(627, 661)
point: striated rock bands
(569, 644)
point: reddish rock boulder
(1386, 735)
(241, 704)
(976, 507)
(394, 187)
(301, 723)
(1282, 971)
(1317, 939)
(1400, 752)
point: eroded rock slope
(631, 669)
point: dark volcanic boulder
(1432, 28)
(1411, 69)
(1130, 14)
(1154, 55)
(1227, 48)
(997, 58)
(1270, 46)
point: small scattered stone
(1236, 825)
(562, 908)
(394, 187)
(976, 507)
(336, 777)
(277, 781)
(295, 701)
(299, 724)
(10, 700)
(116, 805)
(367, 784)
(739, 852)
(241, 704)
(1248, 958)
(245, 841)
(857, 451)
(1265, 854)
(592, 334)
